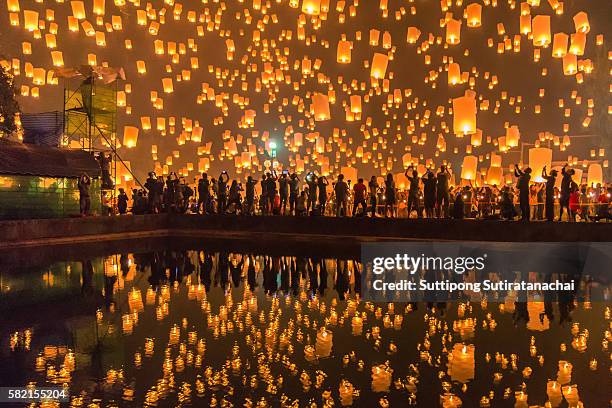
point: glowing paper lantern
(130, 136)
(581, 22)
(476, 139)
(78, 9)
(312, 7)
(469, 167)
(513, 136)
(453, 31)
(560, 42)
(594, 175)
(12, 6)
(30, 20)
(320, 104)
(350, 173)
(168, 85)
(541, 30)
(355, 103)
(344, 52)
(578, 42)
(474, 15)
(464, 115)
(538, 158)
(494, 176)
(413, 35)
(570, 64)
(58, 58)
(379, 65)
(454, 73)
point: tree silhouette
(8, 105)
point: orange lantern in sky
(469, 168)
(541, 30)
(538, 158)
(453, 31)
(464, 115)
(379, 65)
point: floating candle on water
(553, 391)
(346, 390)
(309, 353)
(521, 400)
(564, 375)
(357, 325)
(461, 363)
(323, 344)
(450, 401)
(381, 378)
(570, 393)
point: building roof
(45, 161)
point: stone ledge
(24, 233)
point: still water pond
(221, 329)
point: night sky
(386, 130)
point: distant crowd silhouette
(426, 196)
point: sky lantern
(379, 65)
(355, 103)
(344, 52)
(99, 7)
(581, 22)
(12, 6)
(453, 31)
(464, 115)
(78, 10)
(476, 139)
(30, 20)
(130, 136)
(454, 73)
(469, 168)
(473, 15)
(513, 136)
(560, 41)
(538, 158)
(594, 175)
(570, 64)
(578, 42)
(167, 85)
(58, 58)
(525, 24)
(312, 7)
(413, 35)
(320, 104)
(494, 176)
(541, 30)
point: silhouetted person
(373, 191)
(250, 196)
(442, 193)
(429, 191)
(203, 193)
(222, 192)
(122, 201)
(390, 199)
(341, 190)
(564, 200)
(550, 193)
(294, 192)
(84, 199)
(359, 197)
(523, 187)
(322, 184)
(413, 191)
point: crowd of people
(429, 195)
